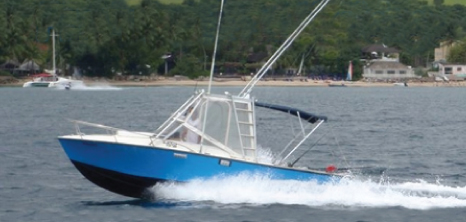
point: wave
(93, 87)
(348, 192)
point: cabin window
(402, 71)
(448, 70)
(378, 71)
(458, 69)
(391, 72)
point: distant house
(382, 62)
(387, 70)
(27, 67)
(452, 71)
(447, 71)
(379, 51)
(9, 66)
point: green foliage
(448, 2)
(420, 72)
(128, 36)
(137, 2)
(438, 2)
(189, 66)
(4, 73)
(458, 53)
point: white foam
(265, 155)
(259, 189)
(93, 87)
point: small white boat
(50, 78)
(337, 85)
(52, 81)
(404, 84)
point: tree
(458, 53)
(190, 66)
(438, 2)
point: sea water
(405, 147)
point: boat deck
(145, 140)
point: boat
(51, 81)
(210, 135)
(50, 77)
(349, 77)
(337, 84)
(403, 84)
(68, 86)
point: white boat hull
(60, 83)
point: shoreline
(296, 83)
(280, 83)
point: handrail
(100, 126)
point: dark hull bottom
(123, 184)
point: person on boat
(188, 135)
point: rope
(304, 153)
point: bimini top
(309, 117)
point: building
(386, 70)
(452, 71)
(379, 51)
(441, 53)
(27, 67)
(382, 63)
(9, 66)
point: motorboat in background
(210, 135)
(403, 84)
(342, 84)
(50, 77)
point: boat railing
(305, 132)
(109, 130)
(162, 130)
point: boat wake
(259, 190)
(93, 87)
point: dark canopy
(309, 117)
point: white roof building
(388, 69)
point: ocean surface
(405, 146)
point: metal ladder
(244, 113)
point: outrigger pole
(53, 51)
(247, 90)
(214, 54)
(212, 66)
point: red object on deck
(331, 168)
(41, 75)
